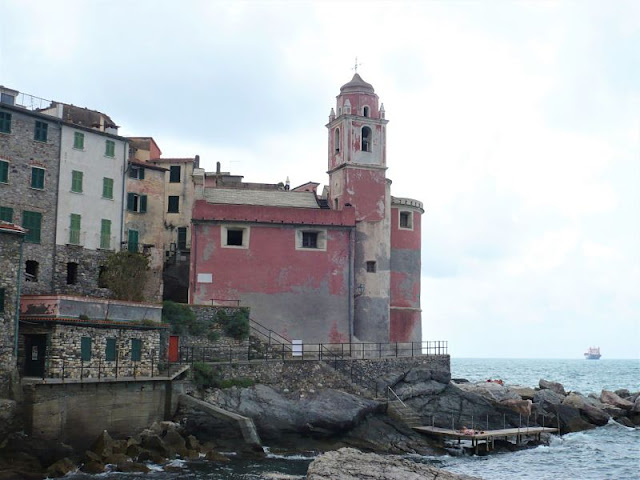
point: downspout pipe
(351, 290)
(123, 210)
(17, 307)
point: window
(110, 148)
(336, 139)
(132, 241)
(40, 133)
(105, 234)
(76, 181)
(5, 122)
(136, 203)
(406, 220)
(310, 239)
(366, 139)
(365, 111)
(78, 140)
(31, 271)
(6, 214)
(107, 188)
(85, 349)
(4, 171)
(37, 178)
(136, 349)
(182, 238)
(136, 172)
(174, 174)
(234, 237)
(32, 221)
(371, 267)
(74, 229)
(1, 300)
(102, 271)
(7, 98)
(110, 352)
(174, 204)
(72, 273)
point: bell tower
(357, 167)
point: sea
(610, 452)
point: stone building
(341, 266)
(11, 246)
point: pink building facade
(343, 266)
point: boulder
(351, 464)
(421, 375)
(192, 443)
(132, 467)
(523, 407)
(41, 452)
(567, 418)
(103, 445)
(547, 397)
(636, 406)
(214, 456)
(611, 398)
(553, 386)
(61, 468)
(116, 458)
(492, 391)
(93, 467)
(430, 387)
(174, 441)
(623, 393)
(155, 444)
(589, 412)
(526, 393)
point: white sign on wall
(205, 278)
(296, 348)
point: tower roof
(357, 84)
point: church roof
(357, 84)
(271, 198)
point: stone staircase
(402, 412)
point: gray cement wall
(77, 413)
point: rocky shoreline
(327, 420)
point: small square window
(174, 174)
(5, 122)
(40, 133)
(110, 148)
(234, 237)
(31, 270)
(6, 214)
(4, 171)
(78, 140)
(406, 220)
(37, 178)
(76, 181)
(371, 267)
(174, 204)
(310, 239)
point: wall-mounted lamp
(359, 291)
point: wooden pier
(488, 436)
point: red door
(174, 341)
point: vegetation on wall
(125, 274)
(181, 318)
(206, 376)
(235, 324)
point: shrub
(213, 335)
(204, 375)
(181, 318)
(235, 325)
(125, 274)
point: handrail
(396, 395)
(275, 336)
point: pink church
(340, 266)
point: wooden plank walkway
(488, 436)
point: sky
(517, 124)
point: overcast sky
(516, 123)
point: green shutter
(78, 140)
(76, 181)
(6, 214)
(133, 241)
(37, 178)
(107, 187)
(110, 148)
(136, 349)
(110, 352)
(4, 172)
(85, 348)
(131, 198)
(32, 221)
(74, 229)
(143, 203)
(5, 122)
(105, 234)
(141, 173)
(1, 299)
(40, 133)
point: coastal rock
(93, 467)
(491, 391)
(553, 386)
(351, 464)
(636, 406)
(547, 397)
(61, 468)
(103, 445)
(567, 418)
(526, 393)
(523, 407)
(320, 414)
(421, 375)
(591, 413)
(611, 398)
(429, 387)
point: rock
(492, 391)
(192, 443)
(553, 386)
(430, 387)
(134, 451)
(625, 421)
(92, 456)
(132, 467)
(636, 406)
(8, 416)
(174, 441)
(592, 414)
(103, 445)
(93, 467)
(613, 399)
(566, 417)
(36, 451)
(623, 393)
(526, 393)
(522, 407)
(61, 468)
(119, 446)
(421, 375)
(351, 464)
(155, 444)
(548, 397)
(116, 458)
(217, 457)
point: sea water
(610, 452)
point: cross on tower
(356, 65)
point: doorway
(35, 347)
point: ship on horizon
(592, 353)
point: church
(337, 266)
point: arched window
(365, 111)
(336, 140)
(366, 139)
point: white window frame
(321, 244)
(245, 236)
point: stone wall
(76, 413)
(207, 315)
(89, 263)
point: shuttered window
(76, 181)
(136, 349)
(110, 352)
(6, 214)
(105, 234)
(85, 348)
(107, 187)
(32, 221)
(74, 229)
